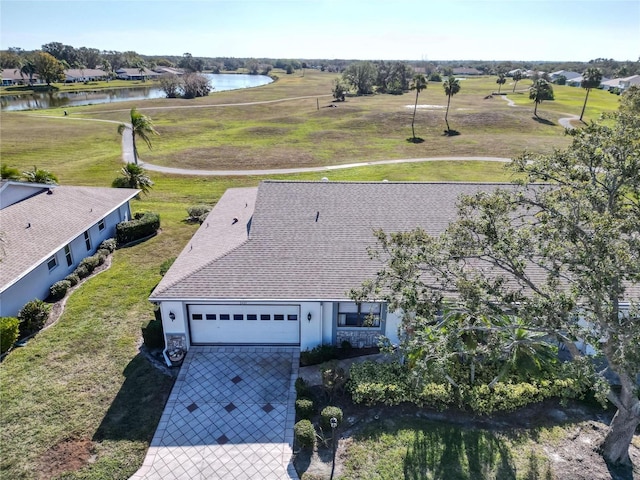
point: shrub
(327, 414)
(108, 244)
(33, 316)
(9, 332)
(302, 388)
(333, 379)
(305, 434)
(82, 271)
(197, 213)
(59, 289)
(386, 383)
(104, 253)
(90, 262)
(73, 279)
(305, 408)
(152, 334)
(346, 345)
(143, 225)
(319, 354)
(166, 265)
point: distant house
(466, 71)
(169, 71)
(13, 76)
(73, 75)
(564, 73)
(136, 74)
(47, 230)
(621, 83)
(577, 82)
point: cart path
(564, 121)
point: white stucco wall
(310, 331)
(394, 320)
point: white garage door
(244, 324)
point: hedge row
(143, 225)
(391, 384)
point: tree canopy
(538, 92)
(556, 254)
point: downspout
(166, 357)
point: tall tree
(501, 80)
(538, 92)
(517, 76)
(451, 87)
(591, 78)
(361, 76)
(558, 252)
(419, 83)
(28, 68)
(49, 69)
(141, 127)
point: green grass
(413, 448)
(83, 378)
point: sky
(525, 30)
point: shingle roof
(307, 240)
(36, 228)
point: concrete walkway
(230, 415)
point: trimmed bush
(142, 226)
(327, 414)
(304, 434)
(198, 213)
(9, 332)
(90, 262)
(33, 316)
(302, 388)
(152, 334)
(305, 408)
(104, 253)
(82, 271)
(108, 244)
(73, 279)
(319, 354)
(59, 289)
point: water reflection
(36, 101)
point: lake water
(36, 101)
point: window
(196, 316)
(210, 316)
(278, 316)
(101, 225)
(252, 316)
(67, 254)
(265, 316)
(238, 316)
(87, 240)
(52, 263)
(224, 316)
(292, 318)
(359, 315)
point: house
(169, 71)
(577, 82)
(274, 264)
(627, 82)
(74, 75)
(564, 73)
(136, 74)
(13, 76)
(466, 71)
(47, 230)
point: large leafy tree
(419, 83)
(538, 92)
(451, 87)
(361, 76)
(591, 78)
(141, 127)
(558, 252)
(48, 67)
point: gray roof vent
(325, 179)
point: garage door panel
(244, 324)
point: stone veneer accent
(358, 339)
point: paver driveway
(230, 415)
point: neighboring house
(274, 264)
(577, 82)
(13, 76)
(564, 73)
(84, 75)
(47, 230)
(466, 71)
(620, 83)
(169, 71)
(135, 74)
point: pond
(37, 101)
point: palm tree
(591, 78)
(540, 90)
(451, 87)
(38, 175)
(28, 68)
(501, 81)
(133, 176)
(419, 83)
(517, 76)
(141, 70)
(141, 126)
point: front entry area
(222, 324)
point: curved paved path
(564, 121)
